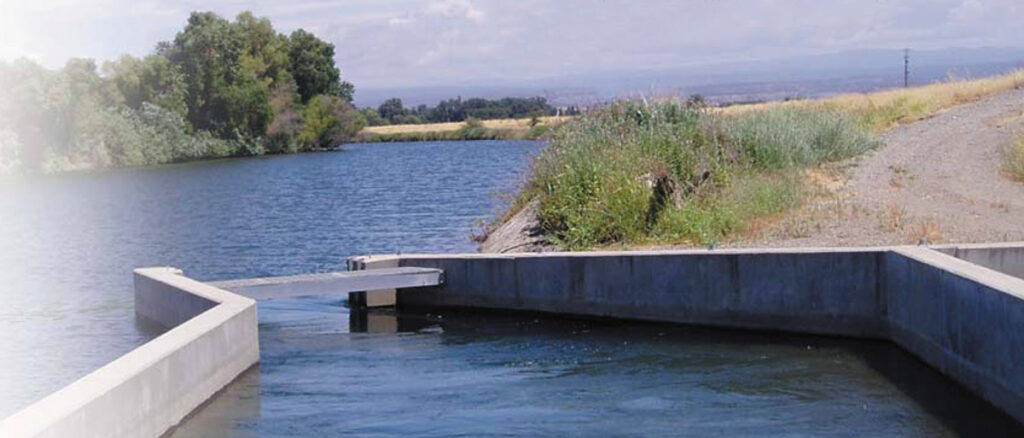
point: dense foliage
(598, 182)
(219, 88)
(392, 111)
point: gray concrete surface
(963, 319)
(1007, 258)
(377, 297)
(152, 388)
(802, 290)
(384, 280)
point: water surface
(68, 243)
(452, 373)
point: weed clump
(780, 138)
(602, 180)
(1013, 159)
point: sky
(408, 43)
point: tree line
(220, 88)
(393, 112)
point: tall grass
(594, 180)
(779, 138)
(1013, 159)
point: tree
(373, 117)
(207, 52)
(219, 88)
(312, 66)
(245, 110)
(329, 121)
(228, 69)
(282, 134)
(264, 51)
(391, 109)
(152, 79)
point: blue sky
(402, 43)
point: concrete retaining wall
(803, 290)
(965, 320)
(150, 389)
(375, 298)
(1007, 258)
(962, 318)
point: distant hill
(770, 79)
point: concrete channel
(959, 308)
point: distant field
(503, 124)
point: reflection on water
(446, 373)
(68, 243)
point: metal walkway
(333, 283)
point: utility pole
(906, 68)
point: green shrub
(780, 138)
(595, 181)
(329, 121)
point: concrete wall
(166, 304)
(150, 389)
(801, 290)
(965, 320)
(374, 298)
(962, 318)
(1007, 258)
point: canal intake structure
(959, 308)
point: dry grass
(926, 232)
(1013, 159)
(502, 124)
(880, 110)
(893, 218)
(883, 110)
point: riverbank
(664, 175)
(497, 129)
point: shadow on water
(955, 406)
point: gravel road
(938, 179)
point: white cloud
(457, 8)
(416, 42)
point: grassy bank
(499, 129)
(641, 173)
